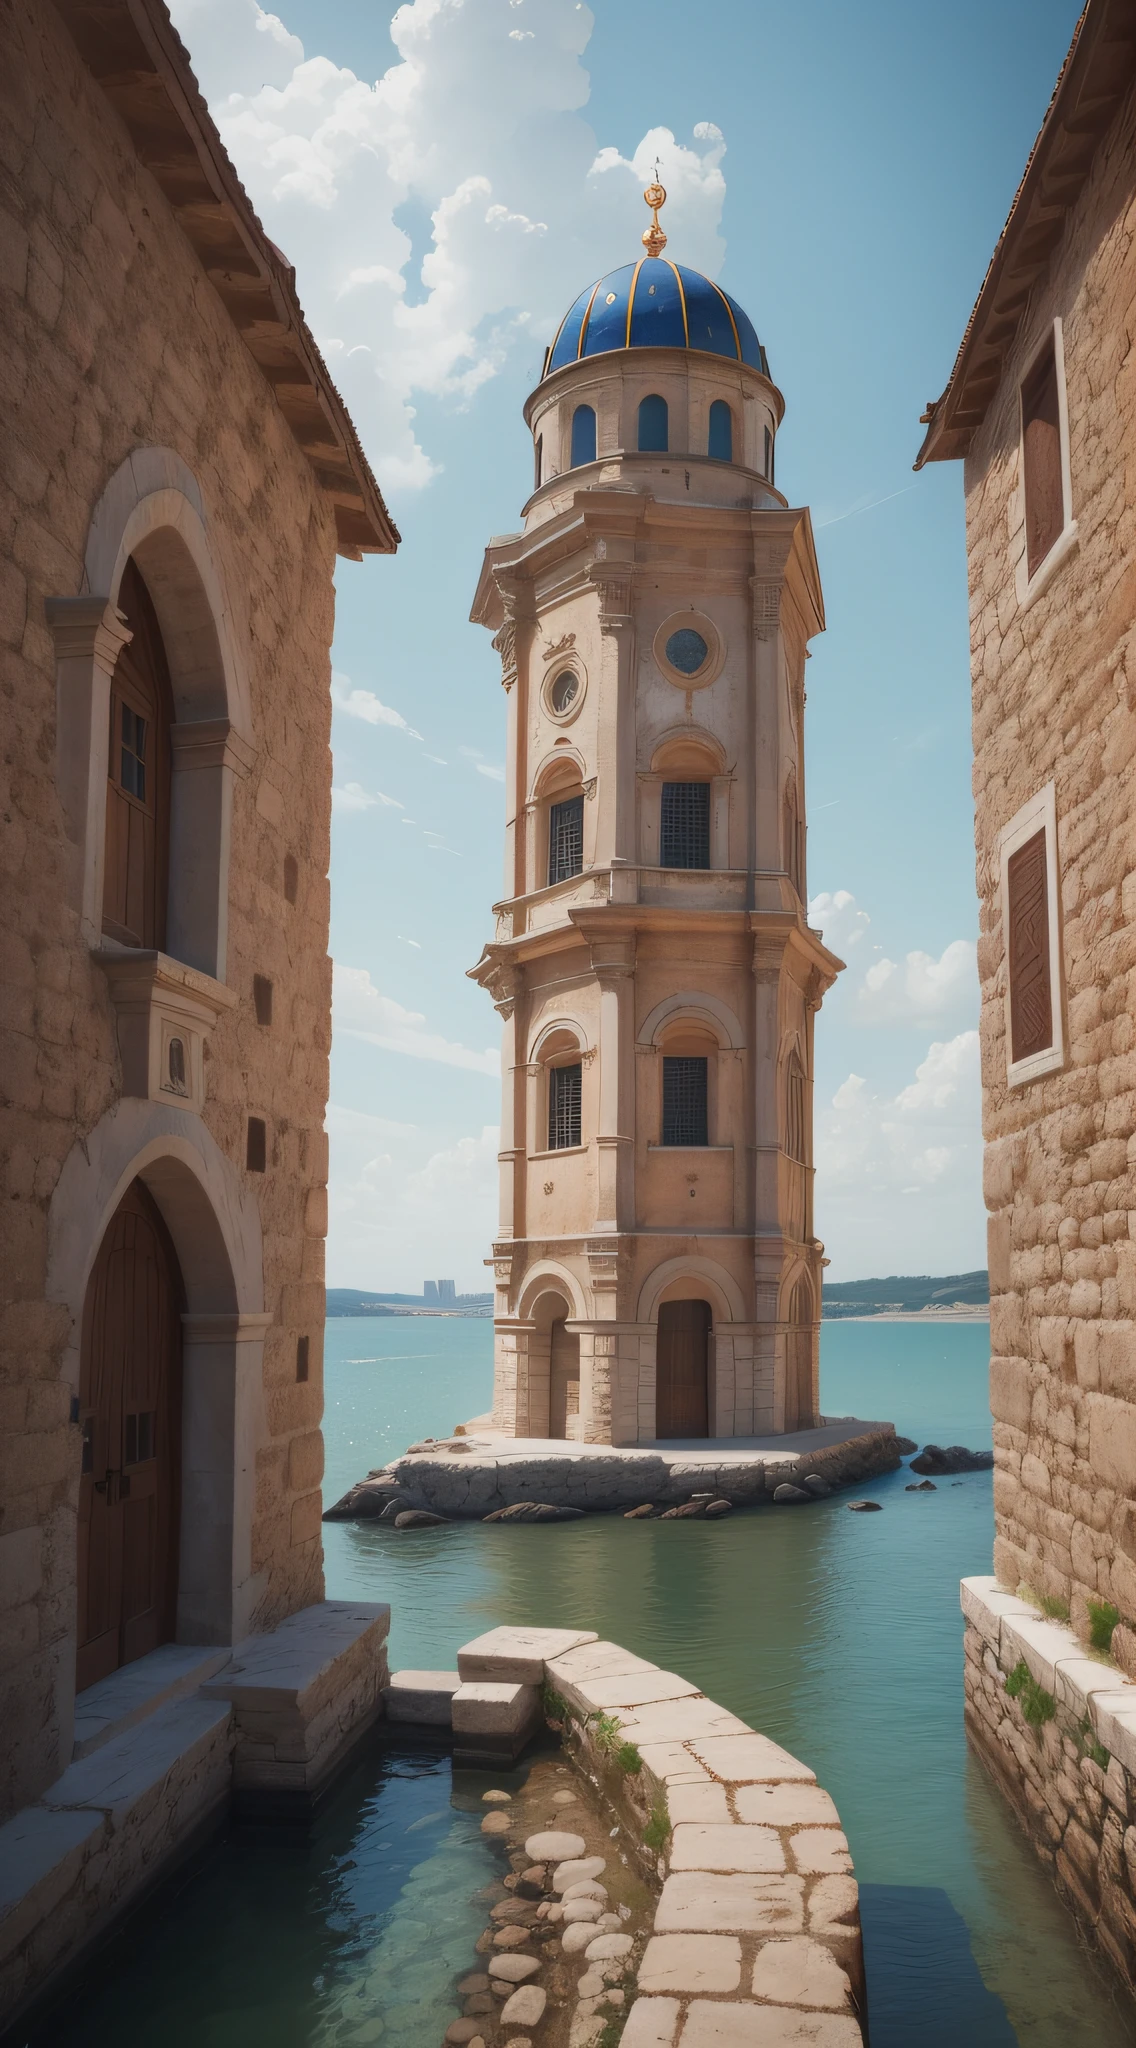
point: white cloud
(365, 705)
(478, 121)
(839, 918)
(351, 796)
(404, 1202)
(486, 768)
(898, 1177)
(360, 1010)
(920, 989)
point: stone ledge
(422, 1699)
(1057, 1660)
(131, 1694)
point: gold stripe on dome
(631, 299)
(730, 313)
(681, 300)
(585, 320)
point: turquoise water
(837, 1634)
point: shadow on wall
(922, 1979)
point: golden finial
(654, 240)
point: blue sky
(845, 172)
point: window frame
(728, 410)
(559, 802)
(1029, 586)
(685, 1144)
(1039, 814)
(653, 398)
(563, 1066)
(577, 410)
(706, 783)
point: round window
(687, 651)
(564, 690)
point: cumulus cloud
(898, 1176)
(360, 1010)
(478, 124)
(365, 705)
(920, 989)
(399, 1193)
(839, 919)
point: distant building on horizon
(447, 1292)
(430, 1293)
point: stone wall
(1062, 1746)
(115, 341)
(1055, 700)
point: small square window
(1031, 925)
(301, 1359)
(684, 1100)
(262, 998)
(256, 1145)
(565, 1093)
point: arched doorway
(130, 1409)
(563, 1381)
(799, 1404)
(682, 1369)
(136, 857)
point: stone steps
(136, 1691)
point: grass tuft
(628, 1759)
(658, 1828)
(555, 1706)
(1103, 1617)
(1037, 1705)
(1090, 1746)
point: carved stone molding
(505, 644)
(165, 1013)
(766, 608)
(211, 743)
(554, 647)
(589, 787)
(87, 629)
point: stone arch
(549, 1029)
(708, 1281)
(214, 1224)
(550, 773)
(152, 511)
(707, 1010)
(678, 739)
(550, 1277)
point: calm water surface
(839, 1635)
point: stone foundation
(470, 1477)
(160, 1766)
(1060, 1740)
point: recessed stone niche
(165, 1013)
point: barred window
(565, 839)
(685, 825)
(684, 1101)
(1041, 458)
(564, 1091)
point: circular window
(688, 648)
(563, 692)
(687, 651)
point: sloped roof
(1096, 75)
(133, 51)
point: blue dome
(655, 304)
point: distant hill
(356, 1301)
(908, 1292)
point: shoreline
(913, 1315)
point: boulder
(921, 1486)
(788, 1496)
(534, 1511)
(567, 1874)
(525, 2008)
(418, 1518)
(718, 1507)
(606, 1947)
(640, 1514)
(513, 1969)
(905, 1445)
(688, 1509)
(553, 1846)
(956, 1458)
(397, 1504)
(366, 1501)
(818, 1487)
(863, 1507)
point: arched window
(538, 458)
(795, 1137)
(583, 436)
(137, 843)
(721, 444)
(653, 438)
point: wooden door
(799, 1361)
(682, 1405)
(130, 1404)
(563, 1381)
(136, 856)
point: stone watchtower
(656, 1270)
